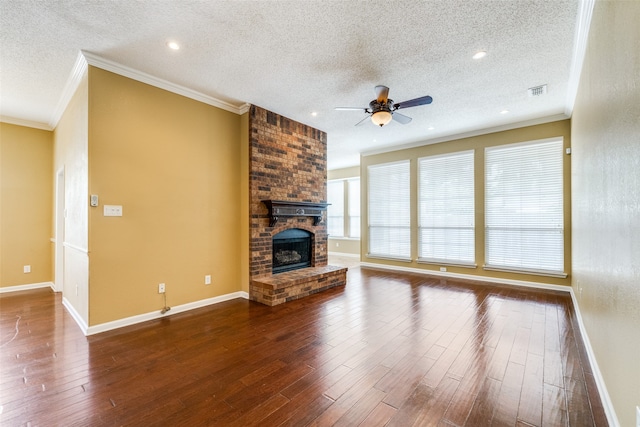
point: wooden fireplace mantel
(282, 208)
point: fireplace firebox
(291, 250)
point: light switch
(112, 210)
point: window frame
(348, 208)
(397, 217)
(555, 212)
(449, 220)
(332, 206)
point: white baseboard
(76, 316)
(561, 288)
(344, 254)
(30, 286)
(127, 321)
(607, 404)
(602, 389)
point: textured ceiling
(299, 57)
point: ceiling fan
(382, 109)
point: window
(353, 208)
(339, 210)
(446, 209)
(524, 207)
(335, 211)
(389, 211)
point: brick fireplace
(287, 164)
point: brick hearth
(287, 162)
(291, 285)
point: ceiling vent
(537, 91)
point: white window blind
(335, 211)
(389, 210)
(524, 207)
(446, 209)
(353, 193)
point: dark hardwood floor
(388, 349)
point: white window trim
(457, 262)
(521, 270)
(346, 230)
(401, 256)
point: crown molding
(245, 108)
(469, 134)
(73, 81)
(585, 12)
(123, 70)
(25, 123)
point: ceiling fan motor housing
(376, 106)
(384, 109)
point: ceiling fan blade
(350, 109)
(362, 121)
(382, 94)
(414, 102)
(401, 118)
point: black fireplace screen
(291, 250)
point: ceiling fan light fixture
(381, 118)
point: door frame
(58, 284)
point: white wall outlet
(337, 244)
(443, 269)
(27, 269)
(161, 288)
(94, 200)
(112, 210)
(207, 279)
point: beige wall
(173, 164)
(70, 158)
(352, 172)
(25, 205)
(606, 199)
(344, 245)
(477, 143)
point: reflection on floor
(344, 260)
(389, 348)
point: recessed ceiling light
(430, 128)
(480, 54)
(173, 45)
(504, 112)
(313, 113)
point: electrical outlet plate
(161, 288)
(112, 210)
(27, 269)
(207, 279)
